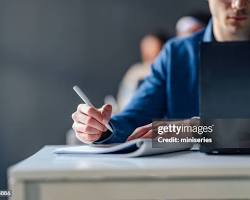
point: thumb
(106, 111)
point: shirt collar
(208, 34)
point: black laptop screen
(225, 80)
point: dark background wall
(47, 46)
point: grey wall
(47, 46)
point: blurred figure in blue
(150, 47)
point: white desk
(184, 175)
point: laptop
(225, 96)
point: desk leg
(17, 190)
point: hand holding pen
(90, 123)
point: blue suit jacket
(171, 90)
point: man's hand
(147, 131)
(142, 132)
(90, 123)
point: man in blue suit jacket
(171, 91)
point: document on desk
(134, 148)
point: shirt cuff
(108, 137)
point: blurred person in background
(150, 47)
(192, 23)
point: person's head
(151, 45)
(231, 19)
(188, 25)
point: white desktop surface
(182, 175)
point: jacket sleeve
(149, 102)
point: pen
(87, 101)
